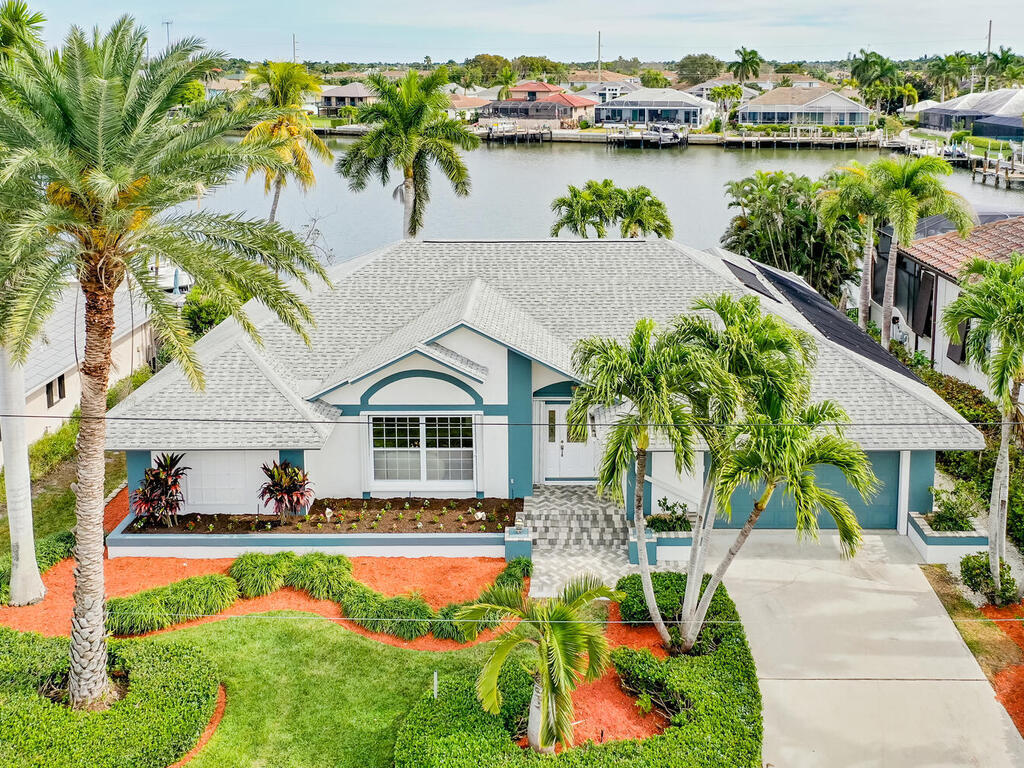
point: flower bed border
(945, 547)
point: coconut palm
(767, 362)
(91, 132)
(782, 450)
(595, 205)
(853, 197)
(1013, 75)
(641, 382)
(286, 84)
(18, 26)
(726, 95)
(409, 131)
(747, 65)
(947, 72)
(468, 77)
(569, 650)
(639, 212)
(906, 189)
(506, 79)
(991, 306)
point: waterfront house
(551, 110)
(444, 368)
(221, 85)
(533, 90)
(465, 107)
(602, 92)
(763, 82)
(585, 78)
(995, 114)
(351, 95)
(803, 106)
(927, 280)
(653, 105)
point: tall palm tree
(747, 65)
(853, 197)
(906, 189)
(19, 26)
(947, 72)
(874, 71)
(1013, 75)
(409, 131)
(287, 84)
(640, 212)
(506, 79)
(90, 131)
(468, 77)
(640, 381)
(595, 205)
(991, 306)
(569, 650)
(726, 95)
(767, 362)
(783, 450)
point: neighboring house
(703, 90)
(444, 368)
(52, 383)
(590, 77)
(654, 105)
(912, 111)
(351, 95)
(222, 85)
(927, 280)
(465, 107)
(348, 74)
(602, 92)
(803, 106)
(550, 110)
(532, 90)
(995, 114)
(765, 82)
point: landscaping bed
(395, 515)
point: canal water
(513, 186)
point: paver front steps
(573, 517)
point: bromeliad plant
(288, 488)
(569, 650)
(160, 495)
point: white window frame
(431, 486)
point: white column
(903, 497)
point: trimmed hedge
(260, 574)
(50, 550)
(712, 696)
(320, 576)
(171, 696)
(161, 607)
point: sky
(408, 30)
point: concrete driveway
(859, 663)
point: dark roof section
(833, 324)
(749, 279)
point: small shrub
(954, 510)
(515, 573)
(321, 576)
(974, 572)
(181, 601)
(260, 574)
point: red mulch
(218, 714)
(1009, 682)
(116, 511)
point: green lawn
(304, 692)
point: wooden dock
(515, 134)
(1009, 172)
(842, 141)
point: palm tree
(569, 650)
(947, 73)
(287, 84)
(19, 26)
(991, 306)
(90, 131)
(595, 205)
(640, 212)
(905, 189)
(767, 362)
(726, 95)
(641, 381)
(853, 197)
(783, 450)
(747, 65)
(1013, 75)
(468, 77)
(409, 131)
(507, 79)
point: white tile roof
(538, 297)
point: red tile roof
(459, 101)
(568, 99)
(949, 253)
(533, 85)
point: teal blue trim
(922, 478)
(520, 431)
(558, 389)
(498, 341)
(652, 549)
(948, 541)
(295, 458)
(557, 402)
(630, 493)
(517, 543)
(674, 541)
(479, 494)
(397, 360)
(136, 464)
(277, 541)
(420, 374)
(648, 489)
(366, 495)
(354, 409)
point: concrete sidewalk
(858, 661)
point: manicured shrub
(665, 523)
(515, 573)
(162, 607)
(260, 574)
(404, 617)
(321, 576)
(668, 592)
(954, 510)
(50, 550)
(975, 573)
(171, 694)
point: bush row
(170, 696)
(162, 607)
(50, 550)
(712, 696)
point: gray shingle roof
(538, 297)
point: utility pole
(294, 59)
(988, 52)
(599, 56)
(167, 26)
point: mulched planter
(396, 515)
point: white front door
(566, 460)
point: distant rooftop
(949, 253)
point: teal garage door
(879, 512)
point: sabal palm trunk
(408, 200)
(867, 271)
(693, 630)
(641, 548)
(533, 723)
(88, 674)
(278, 184)
(26, 584)
(701, 540)
(890, 290)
